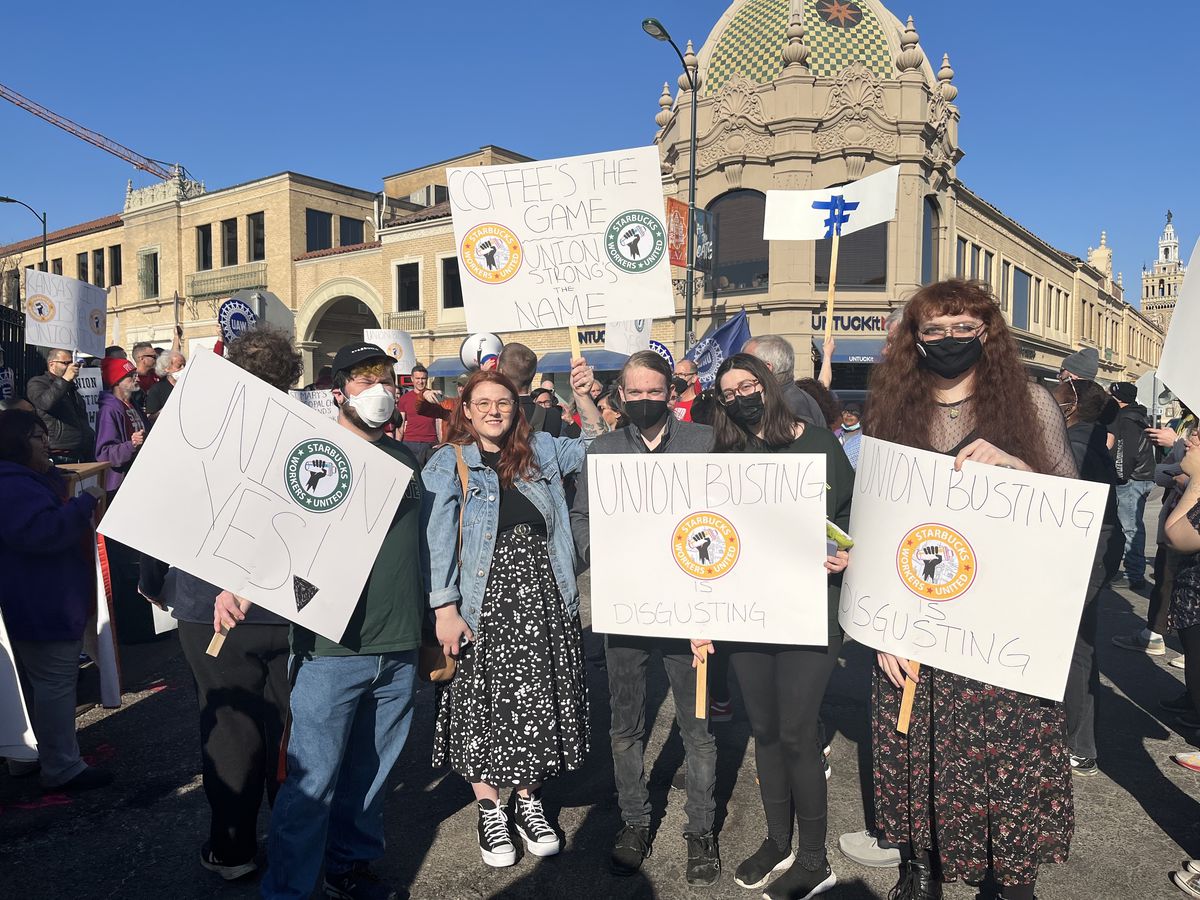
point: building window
(988, 259)
(81, 266)
(862, 260)
(408, 287)
(741, 257)
(11, 288)
(930, 228)
(1037, 299)
(1162, 290)
(148, 274)
(1020, 299)
(350, 231)
(56, 266)
(451, 284)
(203, 248)
(318, 228)
(229, 250)
(960, 258)
(256, 237)
(114, 264)
(98, 267)
(1005, 278)
(974, 261)
(41, 267)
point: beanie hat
(113, 370)
(1083, 364)
(1124, 391)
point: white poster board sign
(980, 572)
(396, 343)
(573, 241)
(64, 313)
(629, 336)
(1177, 367)
(16, 734)
(696, 546)
(279, 504)
(87, 382)
(320, 401)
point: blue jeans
(1131, 509)
(350, 718)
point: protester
(1083, 404)
(518, 364)
(450, 402)
(17, 403)
(1134, 457)
(351, 701)
(56, 397)
(609, 405)
(47, 593)
(120, 426)
(115, 352)
(831, 409)
(145, 357)
(777, 353)
(324, 380)
(423, 416)
(952, 381)
(168, 369)
(1183, 533)
(783, 685)
(242, 693)
(1082, 365)
(849, 434)
(686, 380)
(644, 386)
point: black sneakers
(799, 883)
(359, 883)
(538, 834)
(226, 870)
(495, 844)
(704, 862)
(758, 869)
(630, 849)
(89, 779)
(917, 882)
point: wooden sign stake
(217, 642)
(906, 701)
(576, 347)
(702, 684)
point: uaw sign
(981, 572)
(277, 503)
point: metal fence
(12, 339)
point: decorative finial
(795, 51)
(910, 57)
(945, 77)
(1104, 239)
(664, 102)
(690, 63)
(1169, 216)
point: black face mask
(950, 358)
(747, 412)
(645, 413)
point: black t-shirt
(515, 507)
(156, 397)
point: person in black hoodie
(1133, 455)
(1083, 404)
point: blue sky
(1075, 117)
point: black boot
(916, 882)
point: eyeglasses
(485, 406)
(59, 362)
(745, 389)
(148, 356)
(960, 331)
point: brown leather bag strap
(463, 475)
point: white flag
(814, 215)
(1177, 366)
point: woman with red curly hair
(982, 780)
(501, 577)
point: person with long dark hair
(982, 781)
(500, 573)
(783, 684)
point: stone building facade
(1162, 282)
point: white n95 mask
(374, 406)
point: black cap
(537, 392)
(1125, 391)
(352, 355)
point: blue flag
(718, 343)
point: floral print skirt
(516, 711)
(982, 780)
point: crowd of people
(474, 587)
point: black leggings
(782, 688)
(1190, 638)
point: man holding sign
(980, 770)
(55, 396)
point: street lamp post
(656, 30)
(42, 217)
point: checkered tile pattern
(752, 42)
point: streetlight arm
(41, 216)
(22, 203)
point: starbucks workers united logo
(635, 241)
(318, 475)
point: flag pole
(833, 261)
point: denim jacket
(444, 580)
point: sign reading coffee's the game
(574, 241)
(278, 504)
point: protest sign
(1176, 367)
(277, 503)
(235, 317)
(397, 344)
(16, 734)
(628, 337)
(87, 382)
(980, 572)
(320, 401)
(692, 546)
(64, 313)
(573, 241)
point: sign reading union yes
(981, 572)
(573, 241)
(278, 504)
(692, 545)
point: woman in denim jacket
(507, 607)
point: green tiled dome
(752, 41)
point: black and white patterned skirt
(516, 711)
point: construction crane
(155, 167)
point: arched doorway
(341, 322)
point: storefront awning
(600, 360)
(446, 367)
(854, 350)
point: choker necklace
(953, 409)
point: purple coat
(113, 438)
(48, 587)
